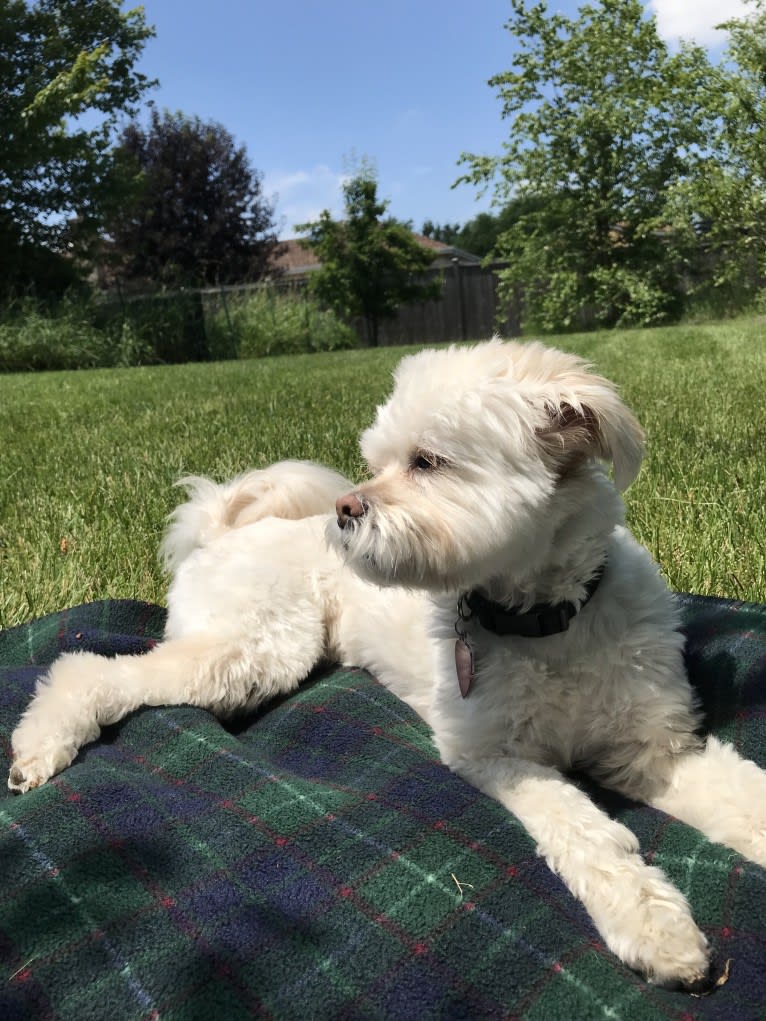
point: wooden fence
(470, 308)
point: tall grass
(33, 337)
(88, 459)
(85, 331)
(267, 321)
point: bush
(266, 321)
(628, 297)
(157, 328)
(33, 337)
(81, 332)
(73, 334)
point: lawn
(88, 459)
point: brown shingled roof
(292, 259)
(436, 246)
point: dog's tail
(288, 489)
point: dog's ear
(592, 421)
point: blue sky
(309, 85)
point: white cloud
(695, 19)
(301, 195)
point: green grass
(88, 459)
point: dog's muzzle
(350, 510)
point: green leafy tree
(718, 217)
(61, 59)
(444, 232)
(199, 215)
(603, 121)
(369, 265)
(480, 235)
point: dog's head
(470, 457)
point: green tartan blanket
(317, 861)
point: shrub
(33, 337)
(158, 328)
(269, 322)
(81, 332)
(628, 297)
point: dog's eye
(425, 461)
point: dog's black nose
(348, 509)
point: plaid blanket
(317, 861)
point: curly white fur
(488, 475)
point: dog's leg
(720, 794)
(83, 692)
(642, 917)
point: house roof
(292, 259)
(445, 251)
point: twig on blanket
(460, 885)
(22, 968)
(720, 981)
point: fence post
(232, 342)
(460, 297)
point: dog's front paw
(652, 930)
(27, 774)
(35, 763)
(679, 957)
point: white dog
(484, 576)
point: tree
(61, 59)
(369, 266)
(481, 234)
(718, 217)
(603, 121)
(444, 232)
(199, 215)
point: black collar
(541, 621)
